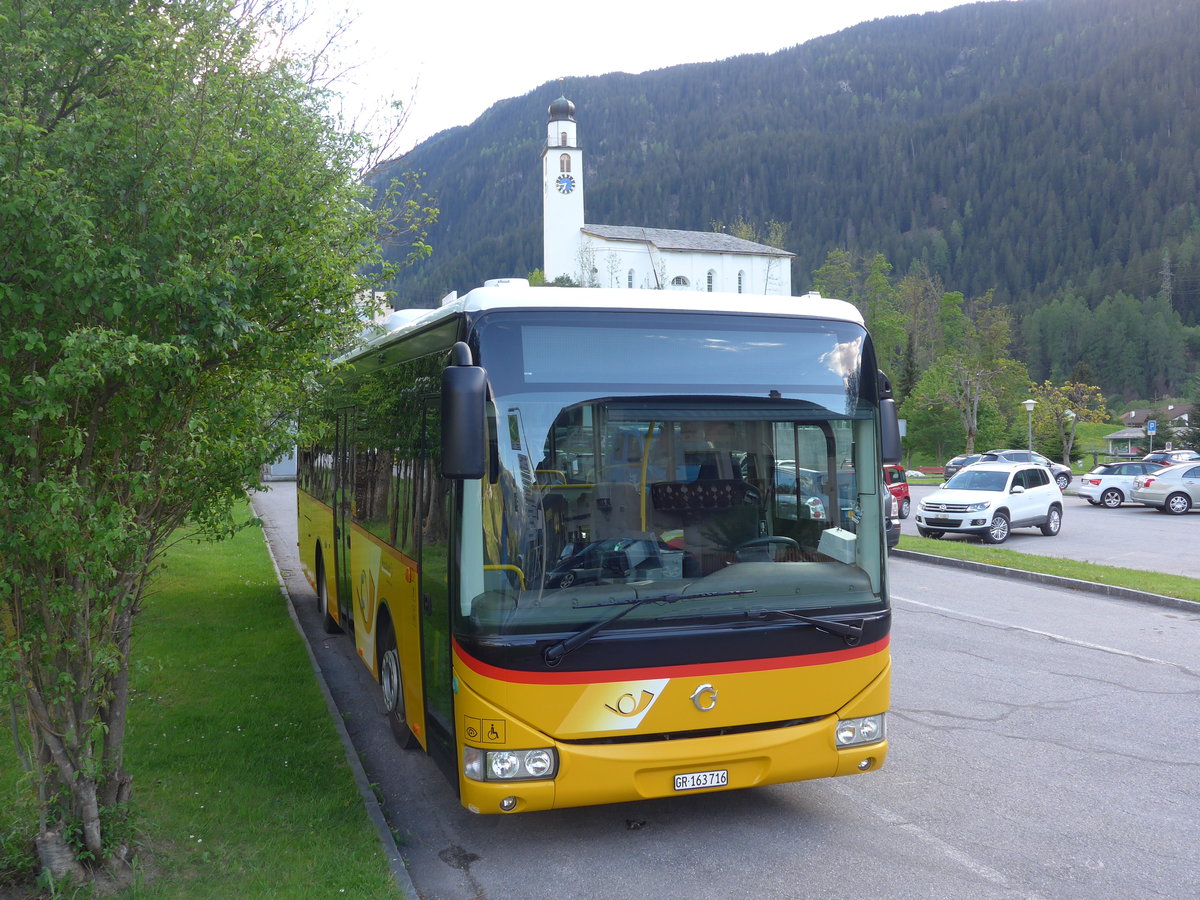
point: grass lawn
(241, 784)
(1178, 586)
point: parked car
(1175, 489)
(1170, 457)
(896, 480)
(989, 499)
(1111, 484)
(1062, 474)
(953, 466)
(796, 487)
(889, 517)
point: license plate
(691, 781)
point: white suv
(989, 499)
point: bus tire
(328, 623)
(392, 683)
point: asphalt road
(1043, 745)
(1133, 536)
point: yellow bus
(604, 545)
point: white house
(629, 256)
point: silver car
(1175, 489)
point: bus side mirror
(889, 422)
(464, 432)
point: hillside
(1035, 148)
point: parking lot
(1132, 536)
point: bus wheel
(393, 688)
(328, 623)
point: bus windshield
(729, 460)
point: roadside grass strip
(241, 784)
(1181, 587)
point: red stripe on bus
(723, 668)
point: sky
(448, 62)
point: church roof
(560, 109)
(671, 239)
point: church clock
(565, 184)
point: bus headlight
(509, 765)
(867, 730)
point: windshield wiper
(554, 654)
(852, 634)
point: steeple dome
(562, 109)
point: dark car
(960, 462)
(1062, 474)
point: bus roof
(516, 293)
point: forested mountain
(1046, 150)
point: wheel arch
(384, 628)
(1186, 506)
(327, 599)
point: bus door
(343, 498)
(435, 514)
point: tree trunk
(117, 785)
(85, 795)
(58, 858)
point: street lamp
(1029, 405)
(1069, 417)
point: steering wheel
(759, 549)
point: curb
(374, 812)
(1070, 584)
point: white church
(629, 256)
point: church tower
(562, 193)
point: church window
(564, 163)
(712, 280)
(680, 281)
(630, 279)
(741, 281)
(562, 140)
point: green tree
(885, 322)
(932, 427)
(875, 296)
(1062, 408)
(1190, 436)
(838, 277)
(974, 369)
(184, 228)
(918, 297)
